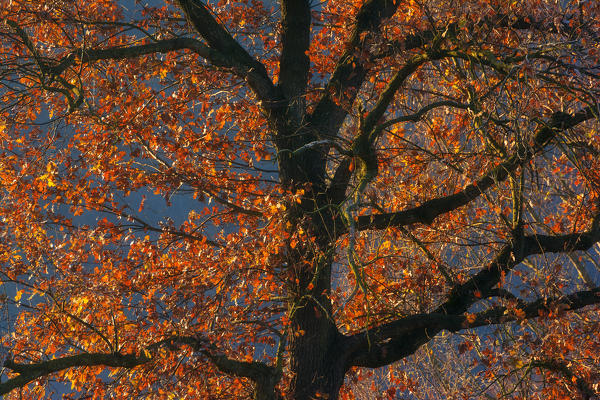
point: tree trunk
(315, 345)
(316, 358)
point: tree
(366, 184)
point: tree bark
(316, 352)
(316, 347)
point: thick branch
(499, 315)
(294, 62)
(339, 184)
(264, 376)
(428, 211)
(123, 52)
(390, 91)
(234, 55)
(369, 131)
(462, 296)
(395, 340)
(330, 111)
(350, 71)
(493, 22)
(254, 370)
(30, 372)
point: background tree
(344, 185)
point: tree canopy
(301, 199)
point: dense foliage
(304, 199)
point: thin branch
(369, 131)
(443, 270)
(416, 116)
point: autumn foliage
(353, 199)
